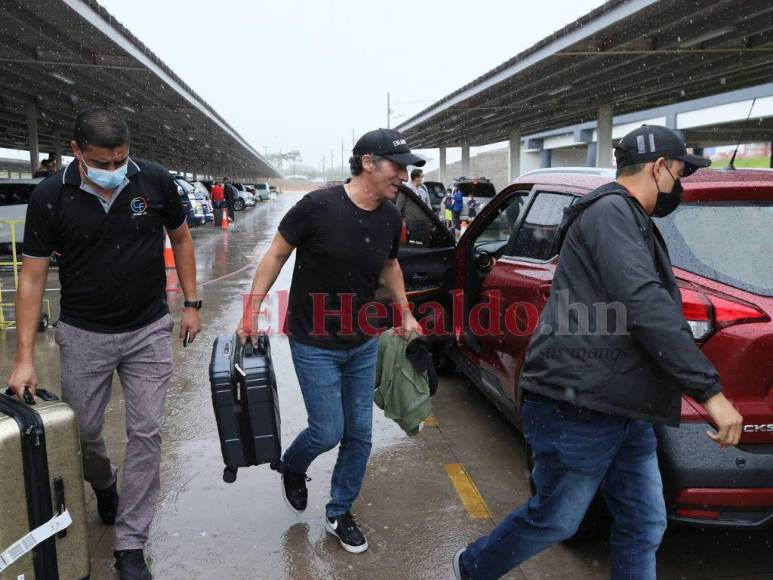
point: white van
(14, 196)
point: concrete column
(604, 143)
(591, 159)
(32, 133)
(442, 169)
(466, 160)
(545, 158)
(58, 149)
(514, 164)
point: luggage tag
(54, 526)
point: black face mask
(667, 202)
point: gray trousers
(143, 359)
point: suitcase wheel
(229, 474)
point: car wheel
(43, 325)
(239, 205)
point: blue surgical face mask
(104, 178)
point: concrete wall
(570, 157)
(491, 164)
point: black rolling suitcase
(246, 404)
(43, 506)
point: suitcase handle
(42, 394)
(250, 349)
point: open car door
(426, 258)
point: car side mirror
(485, 261)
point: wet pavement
(423, 498)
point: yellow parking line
(431, 421)
(467, 490)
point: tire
(43, 324)
(239, 205)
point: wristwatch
(193, 304)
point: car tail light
(707, 312)
(698, 514)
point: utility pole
(389, 112)
(342, 156)
(324, 175)
(332, 163)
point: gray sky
(303, 75)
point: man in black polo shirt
(104, 217)
(347, 238)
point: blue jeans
(337, 387)
(574, 451)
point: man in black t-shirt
(347, 238)
(104, 217)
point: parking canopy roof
(59, 57)
(631, 54)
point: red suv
(721, 244)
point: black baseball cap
(650, 142)
(387, 143)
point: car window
(477, 188)
(728, 242)
(186, 187)
(420, 229)
(497, 233)
(436, 189)
(536, 237)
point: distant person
(218, 200)
(114, 314)
(230, 195)
(448, 203)
(347, 238)
(472, 206)
(457, 206)
(416, 184)
(46, 169)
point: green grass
(743, 162)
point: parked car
(274, 191)
(245, 199)
(720, 240)
(194, 213)
(481, 189)
(202, 188)
(437, 191)
(200, 200)
(14, 196)
(262, 191)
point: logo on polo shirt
(139, 206)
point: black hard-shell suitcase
(246, 404)
(43, 532)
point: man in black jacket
(611, 355)
(230, 195)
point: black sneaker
(345, 528)
(107, 504)
(294, 490)
(131, 565)
(460, 573)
